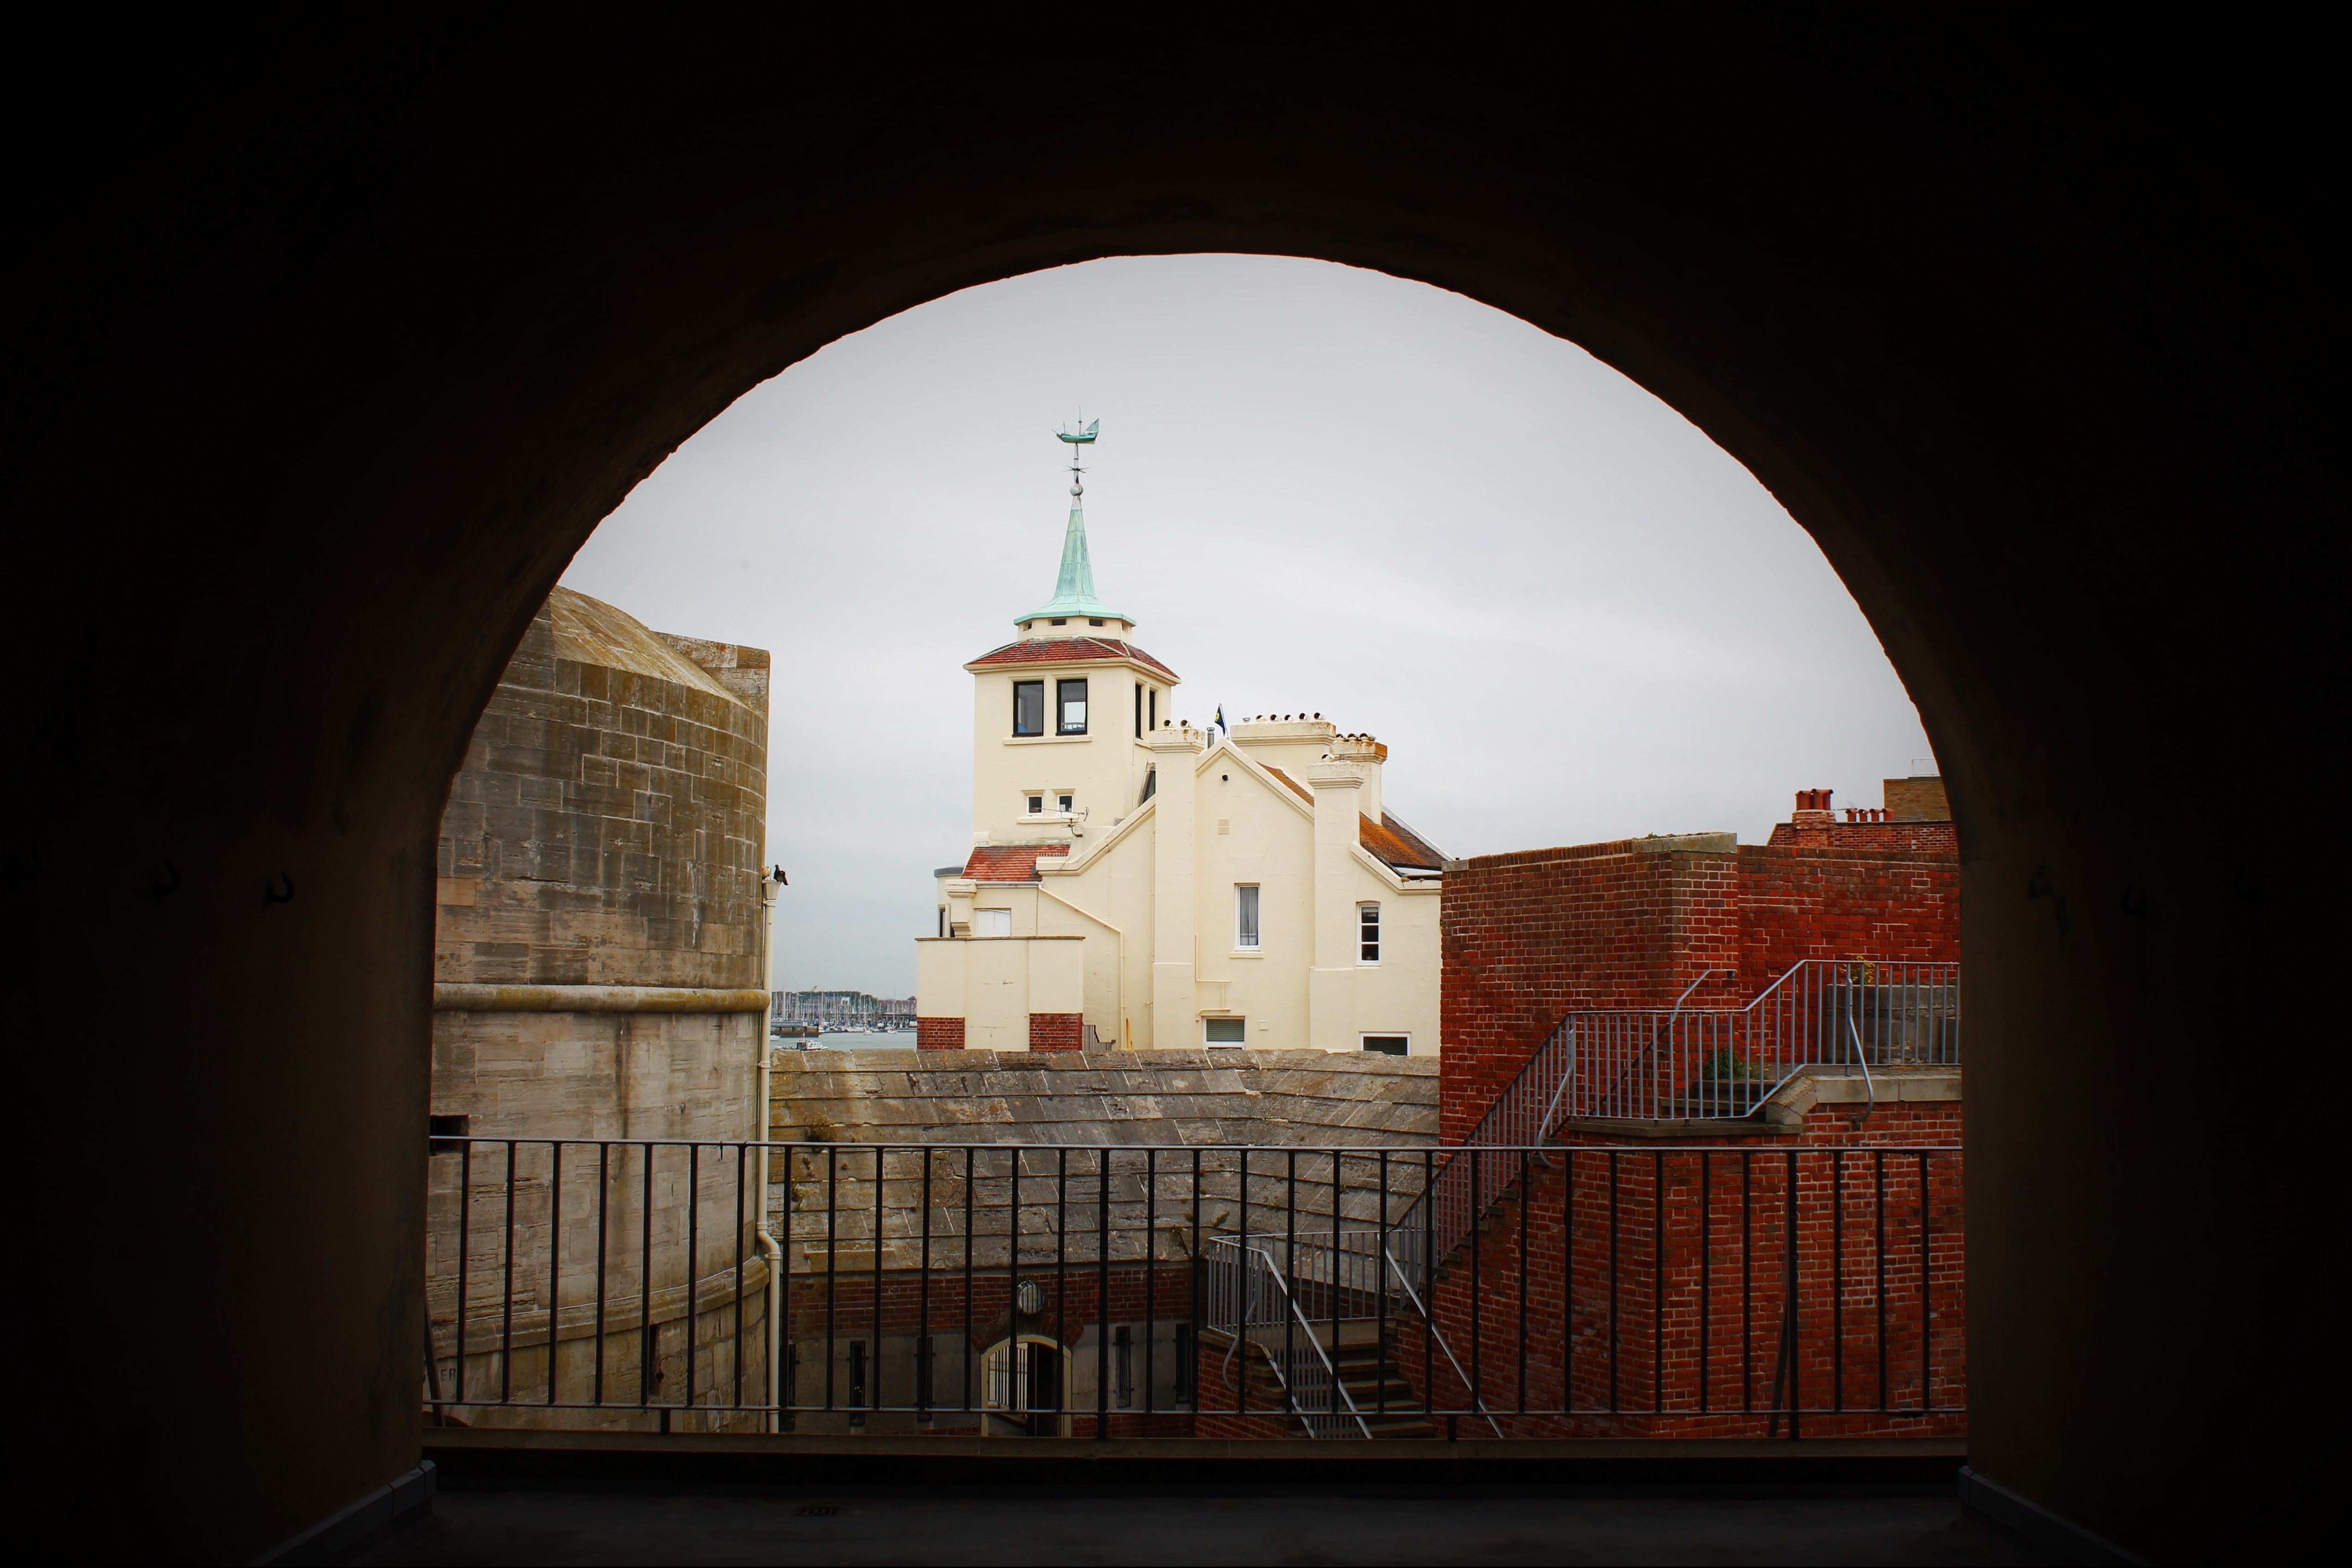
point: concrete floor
(526, 1527)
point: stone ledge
(459, 998)
(1889, 1086)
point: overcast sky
(1570, 615)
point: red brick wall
(1058, 1031)
(1797, 903)
(1661, 1311)
(939, 1034)
(1150, 1301)
(1910, 837)
(1529, 937)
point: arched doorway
(337, 358)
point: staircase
(1368, 1370)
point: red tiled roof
(1396, 845)
(1068, 650)
(1008, 862)
(1389, 841)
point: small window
(1072, 697)
(1028, 707)
(1094, 620)
(1245, 915)
(442, 1127)
(1386, 1045)
(1154, 719)
(1368, 933)
(1151, 785)
(991, 922)
(1225, 1031)
(1061, 620)
(1064, 804)
(1036, 806)
(1139, 710)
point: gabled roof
(1069, 651)
(1008, 862)
(1397, 845)
(1389, 841)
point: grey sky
(1570, 615)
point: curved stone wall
(598, 974)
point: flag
(1220, 717)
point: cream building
(1136, 882)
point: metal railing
(1249, 1298)
(628, 1283)
(1696, 1064)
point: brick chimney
(1812, 810)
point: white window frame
(978, 921)
(1379, 933)
(1404, 1035)
(1034, 800)
(1224, 1044)
(1064, 802)
(1247, 896)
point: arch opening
(2004, 388)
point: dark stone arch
(338, 349)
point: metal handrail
(1429, 1322)
(1788, 1026)
(1277, 1365)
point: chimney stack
(1812, 810)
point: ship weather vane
(1084, 436)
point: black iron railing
(1225, 1291)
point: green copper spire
(1074, 591)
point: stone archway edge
(454, 998)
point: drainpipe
(766, 1238)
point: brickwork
(959, 1318)
(1058, 1031)
(1909, 838)
(1665, 1331)
(939, 1034)
(1529, 937)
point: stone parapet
(452, 997)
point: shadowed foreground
(568, 1527)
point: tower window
(1094, 620)
(1062, 804)
(1155, 708)
(1036, 806)
(1061, 620)
(1028, 707)
(1245, 915)
(1139, 710)
(1368, 933)
(1071, 696)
